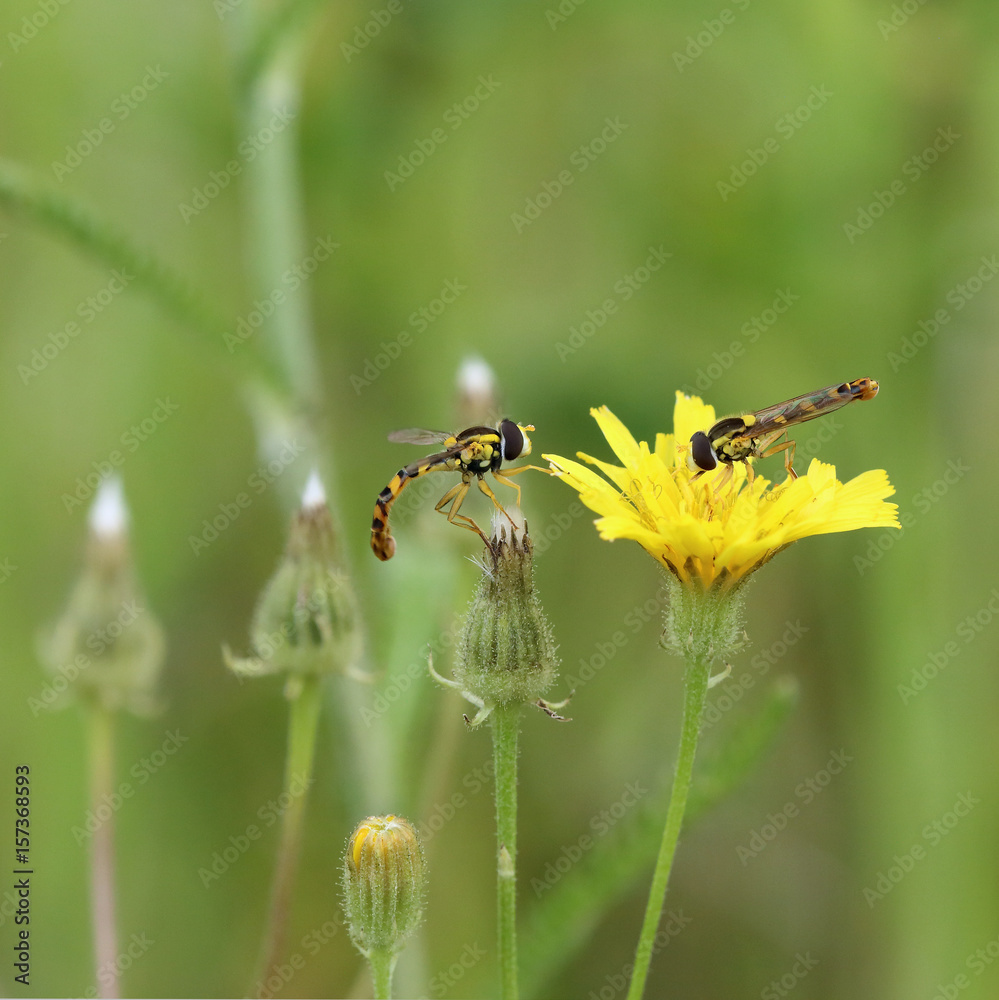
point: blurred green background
(622, 129)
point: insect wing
(802, 408)
(417, 435)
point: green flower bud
(384, 882)
(306, 618)
(107, 646)
(506, 652)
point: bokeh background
(838, 157)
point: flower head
(384, 883)
(713, 530)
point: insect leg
(484, 486)
(456, 497)
(785, 446)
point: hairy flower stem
(382, 964)
(505, 723)
(695, 684)
(303, 723)
(101, 737)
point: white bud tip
(314, 494)
(501, 525)
(476, 378)
(108, 513)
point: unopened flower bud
(384, 882)
(107, 646)
(506, 652)
(306, 618)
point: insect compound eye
(702, 455)
(513, 440)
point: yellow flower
(717, 529)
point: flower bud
(384, 882)
(478, 401)
(506, 652)
(107, 640)
(306, 618)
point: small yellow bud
(384, 881)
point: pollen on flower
(713, 529)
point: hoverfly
(473, 453)
(755, 435)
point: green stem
(382, 965)
(276, 237)
(101, 740)
(505, 723)
(695, 683)
(303, 723)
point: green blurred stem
(505, 725)
(274, 217)
(695, 688)
(306, 702)
(101, 738)
(382, 963)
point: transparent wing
(417, 435)
(806, 407)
